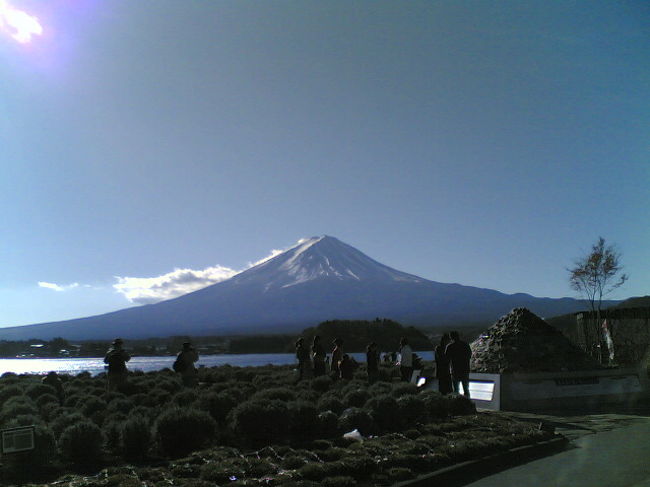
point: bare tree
(596, 275)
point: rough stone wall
(523, 342)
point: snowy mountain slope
(321, 278)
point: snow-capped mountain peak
(321, 257)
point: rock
(523, 342)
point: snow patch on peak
(318, 258)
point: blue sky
(484, 143)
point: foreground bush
(135, 438)
(261, 421)
(180, 431)
(81, 443)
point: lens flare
(18, 24)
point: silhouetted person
(116, 358)
(459, 354)
(53, 380)
(347, 366)
(304, 363)
(443, 373)
(337, 356)
(184, 365)
(318, 354)
(406, 360)
(372, 360)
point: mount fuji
(319, 279)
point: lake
(148, 364)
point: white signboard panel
(15, 440)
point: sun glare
(18, 24)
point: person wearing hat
(337, 356)
(54, 381)
(116, 359)
(184, 365)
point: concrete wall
(557, 390)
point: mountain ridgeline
(319, 279)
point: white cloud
(56, 287)
(148, 290)
(274, 253)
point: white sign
(15, 440)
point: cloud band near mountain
(149, 290)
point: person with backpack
(184, 365)
(116, 359)
(347, 365)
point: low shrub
(303, 419)
(292, 462)
(10, 411)
(356, 418)
(436, 405)
(185, 398)
(385, 411)
(338, 481)
(315, 471)
(359, 466)
(328, 423)
(411, 409)
(7, 391)
(460, 405)
(329, 402)
(36, 390)
(259, 421)
(404, 388)
(81, 443)
(91, 405)
(275, 393)
(135, 438)
(224, 472)
(356, 398)
(180, 431)
(397, 474)
(120, 404)
(322, 383)
(218, 404)
(44, 399)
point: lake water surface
(148, 364)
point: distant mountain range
(319, 279)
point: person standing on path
(405, 360)
(318, 355)
(116, 359)
(184, 365)
(372, 362)
(443, 374)
(459, 354)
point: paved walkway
(608, 450)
